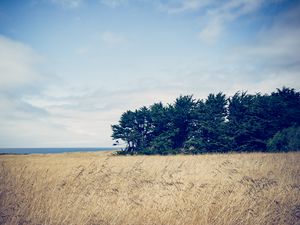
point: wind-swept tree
(208, 127)
(162, 129)
(243, 122)
(126, 131)
(285, 108)
(134, 128)
(181, 114)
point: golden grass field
(100, 188)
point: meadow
(105, 189)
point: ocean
(52, 150)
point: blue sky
(69, 68)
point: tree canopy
(242, 122)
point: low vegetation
(243, 122)
(105, 189)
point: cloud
(214, 15)
(81, 117)
(38, 111)
(212, 31)
(17, 65)
(112, 38)
(275, 47)
(270, 60)
(114, 3)
(82, 50)
(68, 3)
(21, 74)
(233, 7)
(181, 6)
(223, 14)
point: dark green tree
(126, 131)
(134, 129)
(180, 115)
(286, 140)
(243, 122)
(285, 108)
(247, 121)
(143, 127)
(208, 128)
(163, 130)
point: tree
(286, 140)
(243, 122)
(162, 131)
(134, 128)
(248, 121)
(285, 108)
(181, 118)
(208, 127)
(126, 131)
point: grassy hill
(99, 188)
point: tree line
(242, 122)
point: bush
(286, 140)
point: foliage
(243, 122)
(285, 140)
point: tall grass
(99, 188)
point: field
(100, 188)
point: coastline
(27, 151)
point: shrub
(286, 140)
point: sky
(70, 68)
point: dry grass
(98, 188)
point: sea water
(52, 150)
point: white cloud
(180, 6)
(276, 47)
(114, 3)
(112, 38)
(222, 14)
(17, 65)
(82, 50)
(215, 14)
(68, 3)
(234, 7)
(21, 73)
(211, 32)
(35, 112)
